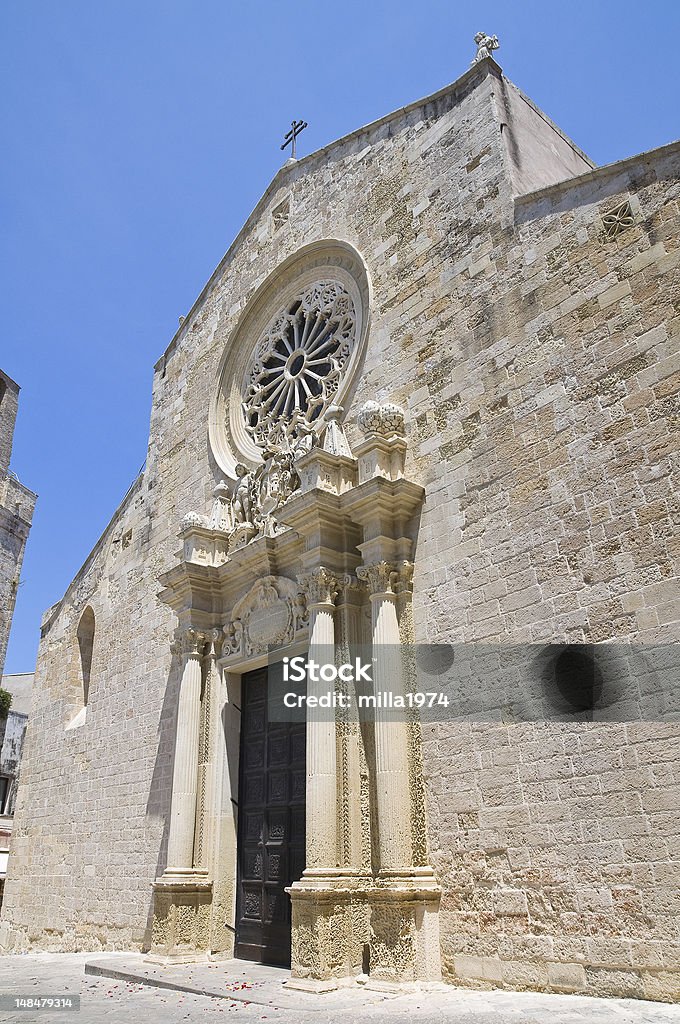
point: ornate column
(207, 781)
(182, 895)
(322, 788)
(404, 904)
(391, 735)
(354, 811)
(329, 922)
(185, 772)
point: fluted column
(391, 734)
(322, 841)
(353, 846)
(207, 781)
(185, 771)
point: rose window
(299, 362)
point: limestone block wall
(9, 403)
(550, 516)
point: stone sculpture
(485, 46)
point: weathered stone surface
(16, 513)
(535, 358)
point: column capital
(320, 586)
(380, 578)
(214, 641)
(404, 582)
(348, 584)
(191, 642)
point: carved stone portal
(280, 550)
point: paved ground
(255, 994)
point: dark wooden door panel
(271, 832)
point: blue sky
(138, 137)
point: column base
(380, 932)
(317, 987)
(404, 930)
(329, 929)
(182, 903)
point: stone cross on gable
(292, 134)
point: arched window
(85, 644)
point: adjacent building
(16, 513)
(12, 735)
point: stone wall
(551, 519)
(533, 356)
(16, 512)
(9, 402)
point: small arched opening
(86, 629)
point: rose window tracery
(299, 362)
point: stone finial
(334, 440)
(369, 418)
(393, 420)
(387, 420)
(221, 518)
(485, 46)
(192, 520)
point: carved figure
(485, 46)
(242, 500)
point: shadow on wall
(160, 790)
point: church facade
(427, 397)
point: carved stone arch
(85, 635)
(328, 264)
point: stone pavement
(250, 992)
